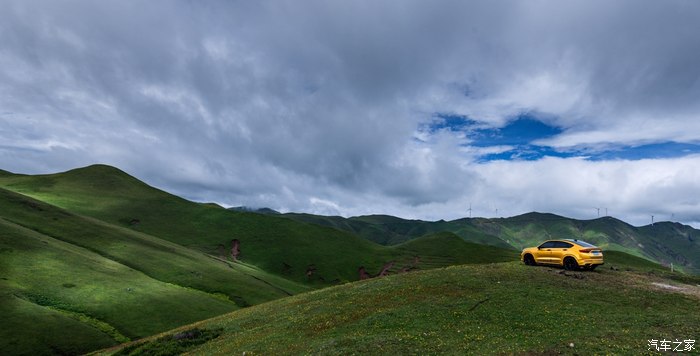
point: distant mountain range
(662, 242)
(255, 210)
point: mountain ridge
(666, 243)
(71, 244)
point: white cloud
(291, 105)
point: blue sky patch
(531, 152)
(449, 122)
(521, 133)
(526, 153)
(654, 150)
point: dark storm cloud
(316, 105)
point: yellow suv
(572, 254)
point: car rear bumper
(591, 261)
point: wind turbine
(470, 210)
(598, 209)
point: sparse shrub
(174, 344)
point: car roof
(576, 241)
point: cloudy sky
(410, 108)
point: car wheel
(570, 264)
(529, 260)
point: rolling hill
(297, 251)
(100, 257)
(663, 242)
(503, 308)
(390, 230)
(106, 283)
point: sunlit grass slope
(60, 271)
(50, 287)
(278, 245)
(504, 308)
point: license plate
(596, 252)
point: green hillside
(663, 242)
(674, 243)
(455, 250)
(107, 283)
(281, 246)
(390, 230)
(121, 260)
(278, 245)
(77, 300)
(505, 308)
(100, 257)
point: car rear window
(583, 243)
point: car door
(544, 252)
(558, 251)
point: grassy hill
(390, 230)
(107, 283)
(453, 248)
(101, 257)
(663, 242)
(278, 245)
(504, 308)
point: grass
(107, 283)
(172, 344)
(113, 196)
(504, 308)
(276, 245)
(457, 251)
(30, 329)
(115, 259)
(100, 257)
(663, 242)
(103, 301)
(155, 257)
(50, 287)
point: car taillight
(585, 250)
